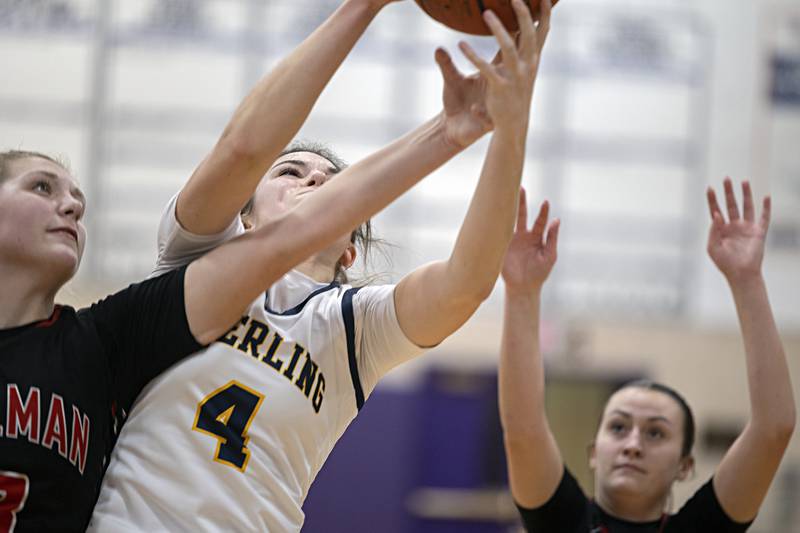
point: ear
(592, 453)
(348, 257)
(685, 469)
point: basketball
(466, 15)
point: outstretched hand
(737, 245)
(500, 93)
(532, 253)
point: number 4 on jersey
(13, 493)
(226, 414)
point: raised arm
(267, 119)
(534, 462)
(233, 275)
(436, 299)
(737, 248)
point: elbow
(779, 431)
(464, 297)
(474, 293)
(469, 281)
(786, 427)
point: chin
(64, 265)
(626, 485)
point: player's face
(41, 211)
(288, 181)
(637, 452)
(291, 179)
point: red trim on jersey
(52, 320)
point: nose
(633, 444)
(315, 178)
(71, 207)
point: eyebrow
(52, 176)
(330, 170)
(650, 419)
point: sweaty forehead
(643, 403)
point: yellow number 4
(226, 414)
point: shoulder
(178, 246)
(167, 284)
(567, 510)
(370, 296)
(703, 512)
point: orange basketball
(465, 15)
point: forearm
(435, 300)
(749, 466)
(267, 120)
(534, 461)
(477, 256)
(771, 397)
(521, 371)
(271, 115)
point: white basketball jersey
(232, 437)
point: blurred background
(640, 105)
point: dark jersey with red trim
(65, 386)
(570, 511)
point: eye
(616, 427)
(42, 186)
(291, 171)
(655, 434)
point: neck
(633, 508)
(317, 268)
(25, 298)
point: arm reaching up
(436, 299)
(535, 465)
(267, 119)
(736, 246)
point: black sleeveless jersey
(65, 386)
